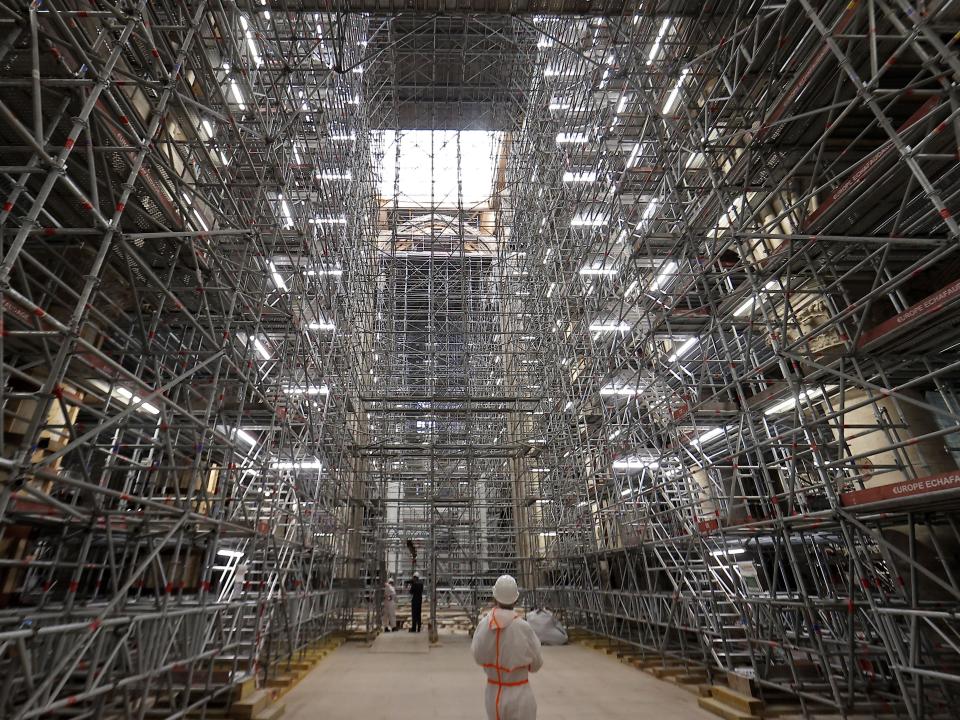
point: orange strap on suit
(491, 681)
(500, 681)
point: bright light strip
(207, 128)
(553, 286)
(667, 274)
(334, 176)
(128, 398)
(675, 93)
(296, 465)
(572, 138)
(731, 551)
(330, 220)
(351, 136)
(708, 436)
(287, 215)
(196, 213)
(635, 463)
(277, 279)
(246, 437)
(621, 106)
(224, 552)
(597, 271)
(261, 349)
(618, 391)
(316, 325)
(325, 271)
(237, 95)
(587, 221)
(633, 155)
(600, 328)
(254, 51)
(309, 390)
(649, 211)
(655, 50)
(556, 105)
(748, 304)
(683, 349)
(580, 177)
(791, 402)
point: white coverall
(389, 606)
(507, 649)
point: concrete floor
(399, 681)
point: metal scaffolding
(652, 304)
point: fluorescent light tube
(747, 305)
(667, 274)
(597, 271)
(261, 349)
(683, 349)
(791, 402)
(579, 177)
(277, 279)
(708, 436)
(251, 44)
(730, 551)
(296, 464)
(287, 215)
(599, 328)
(127, 398)
(675, 93)
(237, 95)
(655, 50)
(618, 391)
(246, 437)
(309, 390)
(636, 463)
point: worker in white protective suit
(507, 649)
(389, 606)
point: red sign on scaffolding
(906, 488)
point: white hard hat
(505, 590)
(416, 574)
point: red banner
(905, 488)
(930, 305)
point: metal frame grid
(739, 257)
(690, 372)
(180, 490)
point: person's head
(416, 574)
(506, 592)
(390, 581)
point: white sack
(547, 627)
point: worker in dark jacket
(416, 602)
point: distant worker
(508, 649)
(416, 602)
(389, 606)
